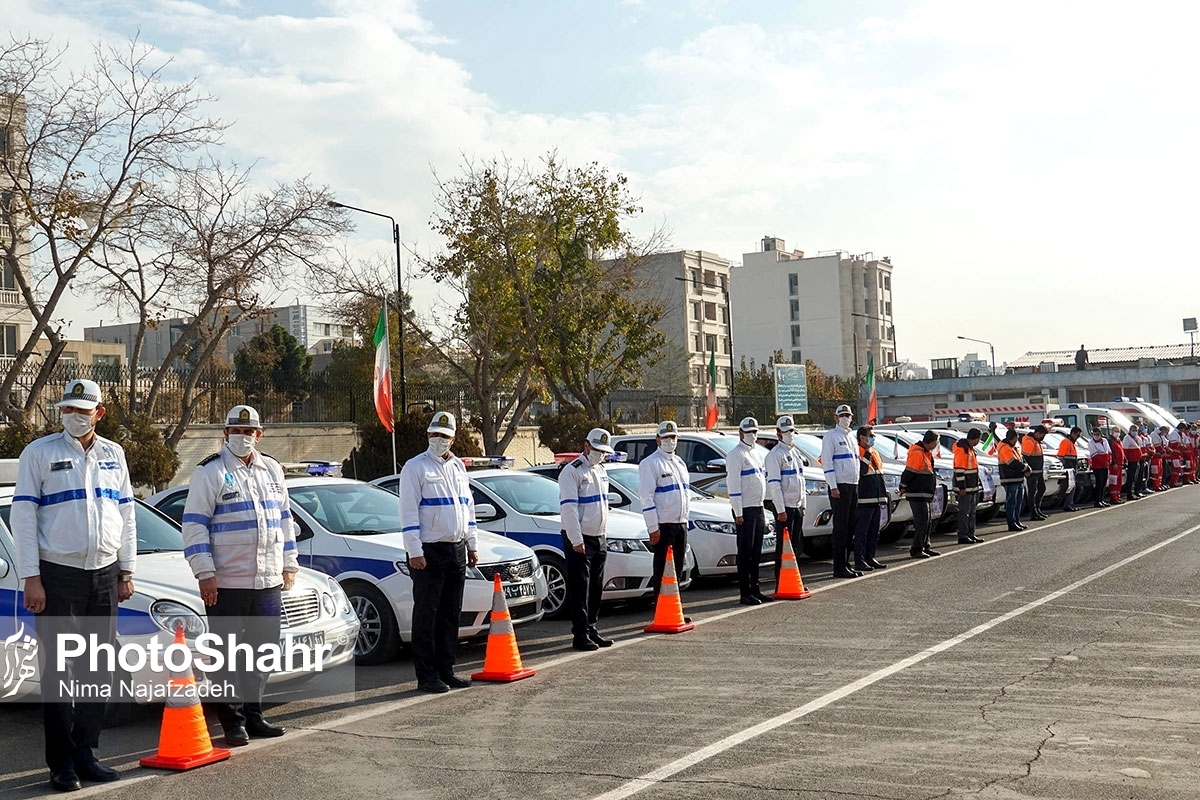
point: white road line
(716, 748)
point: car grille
(523, 610)
(509, 570)
(299, 608)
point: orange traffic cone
(668, 613)
(791, 584)
(501, 661)
(183, 742)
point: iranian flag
(383, 373)
(872, 401)
(710, 408)
(989, 444)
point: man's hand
(124, 590)
(737, 520)
(579, 548)
(208, 591)
(472, 558)
(289, 580)
(835, 493)
(35, 595)
(654, 536)
(417, 562)
(781, 516)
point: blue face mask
(870, 441)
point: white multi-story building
(833, 309)
(16, 321)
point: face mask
(870, 441)
(594, 457)
(668, 444)
(240, 445)
(77, 425)
(439, 446)
(749, 438)
(786, 438)
(844, 423)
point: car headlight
(815, 487)
(473, 574)
(715, 526)
(944, 474)
(169, 615)
(627, 546)
(537, 564)
(339, 596)
(328, 605)
(891, 483)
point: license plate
(308, 640)
(515, 590)
(769, 544)
(988, 496)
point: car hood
(717, 509)
(492, 548)
(167, 576)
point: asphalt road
(1062, 662)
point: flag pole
(388, 339)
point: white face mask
(594, 457)
(749, 438)
(439, 446)
(844, 423)
(77, 425)
(786, 438)
(240, 444)
(668, 444)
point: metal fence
(636, 406)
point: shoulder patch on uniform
(271, 458)
(210, 459)
(579, 462)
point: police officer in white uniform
(583, 504)
(73, 526)
(240, 541)
(839, 460)
(664, 492)
(437, 512)
(747, 481)
(785, 485)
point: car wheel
(378, 639)
(554, 569)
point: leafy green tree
(151, 462)
(273, 363)
(373, 456)
(565, 431)
(755, 389)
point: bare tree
(82, 151)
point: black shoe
(847, 573)
(434, 686)
(65, 781)
(876, 564)
(750, 600)
(1015, 528)
(1105, 504)
(95, 772)
(585, 644)
(1070, 510)
(976, 540)
(596, 638)
(455, 682)
(1022, 526)
(918, 554)
(966, 541)
(237, 736)
(930, 552)
(762, 598)
(259, 728)
(1040, 517)
(862, 567)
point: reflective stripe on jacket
(871, 488)
(1031, 451)
(966, 467)
(919, 481)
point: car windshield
(524, 493)
(351, 509)
(809, 445)
(155, 532)
(628, 480)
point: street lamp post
(399, 293)
(729, 315)
(989, 344)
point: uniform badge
(229, 479)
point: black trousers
(670, 534)
(84, 602)
(585, 582)
(1100, 478)
(1035, 490)
(253, 616)
(794, 525)
(845, 509)
(922, 510)
(866, 532)
(968, 506)
(749, 549)
(437, 605)
(1133, 479)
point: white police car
(351, 530)
(524, 508)
(315, 610)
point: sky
(1029, 167)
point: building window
(795, 310)
(710, 278)
(887, 282)
(724, 285)
(699, 343)
(725, 314)
(795, 336)
(793, 284)
(881, 280)
(710, 343)
(8, 280)
(702, 376)
(796, 357)
(710, 311)
(866, 306)
(887, 308)
(866, 280)
(726, 375)
(327, 346)
(696, 310)
(695, 280)
(5, 143)
(1185, 392)
(1075, 396)
(725, 343)
(8, 340)
(881, 308)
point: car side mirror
(615, 499)
(306, 532)
(3, 568)
(485, 512)
(716, 465)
